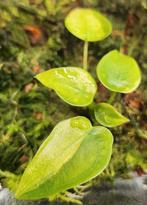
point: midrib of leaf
(70, 85)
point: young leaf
(72, 154)
(88, 24)
(73, 85)
(119, 72)
(108, 116)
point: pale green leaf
(119, 72)
(108, 116)
(88, 24)
(74, 153)
(74, 85)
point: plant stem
(112, 97)
(85, 55)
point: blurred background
(33, 39)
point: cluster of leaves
(27, 112)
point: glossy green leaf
(108, 116)
(119, 72)
(88, 24)
(72, 154)
(74, 85)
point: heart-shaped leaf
(108, 116)
(88, 24)
(119, 72)
(72, 154)
(74, 85)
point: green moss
(28, 112)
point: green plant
(75, 151)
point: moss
(33, 39)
